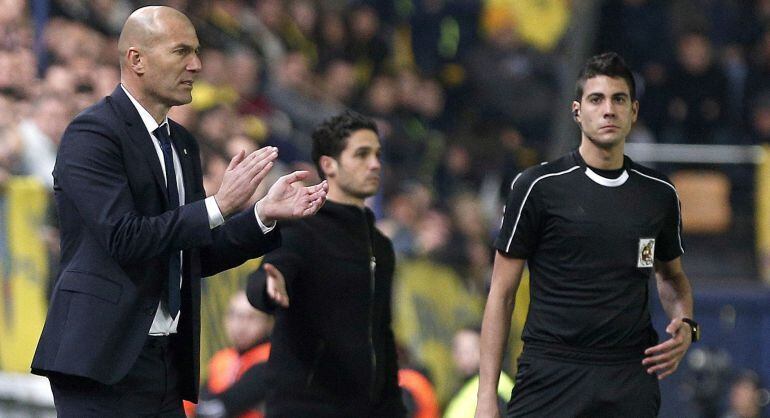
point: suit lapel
(138, 134)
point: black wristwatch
(694, 328)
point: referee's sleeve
(521, 219)
(670, 244)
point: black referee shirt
(590, 243)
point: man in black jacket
(333, 352)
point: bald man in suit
(122, 333)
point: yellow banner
(23, 271)
(430, 304)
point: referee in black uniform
(592, 227)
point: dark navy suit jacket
(117, 232)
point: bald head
(146, 26)
(159, 58)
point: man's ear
(328, 165)
(634, 110)
(135, 60)
(576, 111)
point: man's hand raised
(242, 177)
(289, 199)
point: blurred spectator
(465, 353)
(640, 31)
(265, 27)
(760, 120)
(214, 166)
(437, 239)
(259, 119)
(471, 223)
(636, 29)
(17, 73)
(455, 173)
(68, 42)
(104, 79)
(400, 222)
(429, 104)
(244, 74)
(417, 391)
(104, 15)
(419, 396)
(515, 154)
(213, 87)
(40, 135)
(10, 139)
(292, 89)
(441, 32)
(237, 381)
(719, 20)
(59, 80)
(746, 397)
(697, 92)
(758, 77)
(513, 83)
(381, 101)
(301, 28)
(185, 115)
(414, 145)
(15, 30)
(217, 124)
(366, 49)
(339, 82)
(332, 37)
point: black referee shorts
(548, 387)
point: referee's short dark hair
(609, 64)
(331, 136)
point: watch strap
(694, 328)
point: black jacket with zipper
(333, 351)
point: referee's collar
(599, 179)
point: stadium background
(466, 94)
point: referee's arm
(506, 276)
(676, 297)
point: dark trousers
(551, 388)
(149, 390)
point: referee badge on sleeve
(646, 254)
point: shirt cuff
(215, 215)
(265, 229)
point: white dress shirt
(164, 324)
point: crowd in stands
(704, 66)
(464, 92)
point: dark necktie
(174, 263)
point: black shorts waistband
(584, 354)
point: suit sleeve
(237, 240)
(91, 173)
(288, 259)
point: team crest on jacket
(646, 252)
